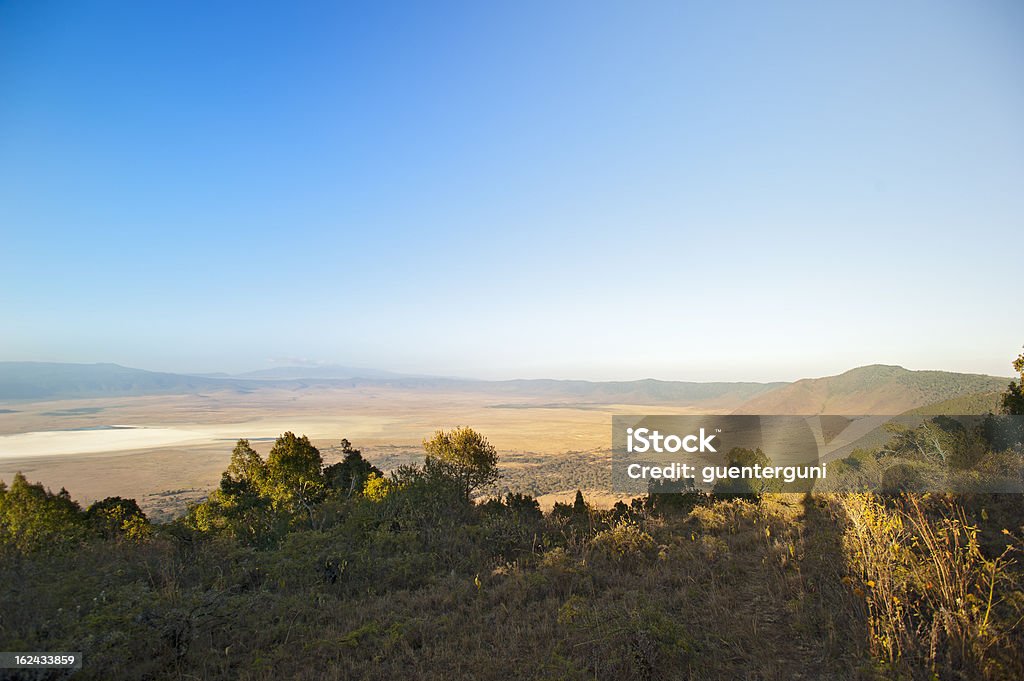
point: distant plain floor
(180, 444)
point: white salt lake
(98, 439)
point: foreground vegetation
(293, 569)
(405, 577)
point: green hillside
(979, 403)
(874, 389)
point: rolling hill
(874, 389)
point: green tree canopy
(118, 517)
(247, 466)
(1013, 398)
(465, 455)
(34, 518)
(294, 474)
(349, 476)
(240, 511)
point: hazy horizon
(372, 371)
(686, 192)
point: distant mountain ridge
(315, 372)
(874, 389)
(52, 380)
(20, 381)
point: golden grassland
(390, 424)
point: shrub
(624, 542)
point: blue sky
(599, 190)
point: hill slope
(874, 389)
(976, 403)
(52, 380)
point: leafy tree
(1013, 398)
(240, 511)
(256, 498)
(350, 475)
(426, 497)
(118, 517)
(465, 455)
(524, 505)
(377, 487)
(33, 518)
(294, 478)
(247, 466)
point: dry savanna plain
(168, 451)
(164, 439)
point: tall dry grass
(937, 604)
